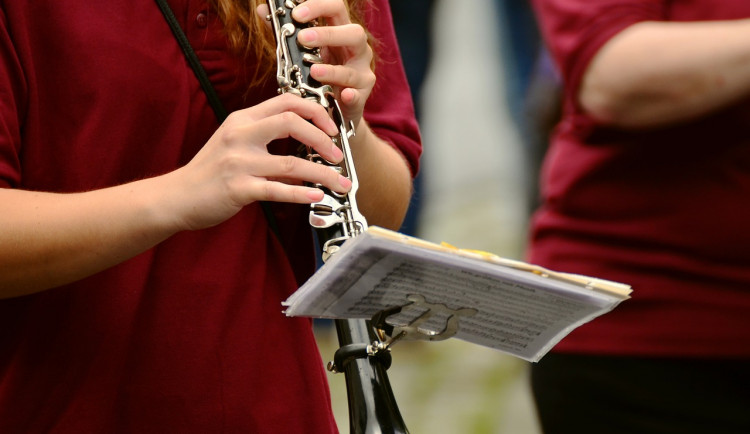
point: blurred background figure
(532, 85)
(471, 85)
(413, 20)
(646, 182)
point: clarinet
(363, 357)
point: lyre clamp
(414, 330)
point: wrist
(157, 203)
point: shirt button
(201, 19)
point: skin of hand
(234, 168)
(655, 74)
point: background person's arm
(658, 73)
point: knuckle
(361, 34)
(230, 135)
(288, 164)
(288, 118)
(349, 75)
(324, 35)
(370, 78)
(233, 121)
(233, 163)
(231, 118)
(233, 186)
(268, 192)
(369, 53)
(288, 98)
(330, 175)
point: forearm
(384, 177)
(658, 73)
(51, 239)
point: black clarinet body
(361, 356)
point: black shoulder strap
(213, 98)
(192, 59)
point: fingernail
(337, 154)
(319, 71)
(345, 182)
(301, 12)
(314, 194)
(307, 35)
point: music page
(439, 292)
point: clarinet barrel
(335, 219)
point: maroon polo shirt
(187, 337)
(665, 210)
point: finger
(271, 191)
(281, 126)
(351, 36)
(290, 103)
(351, 97)
(263, 12)
(287, 167)
(334, 11)
(344, 76)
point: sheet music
(518, 312)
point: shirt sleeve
(12, 97)
(390, 109)
(575, 30)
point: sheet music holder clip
(413, 330)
